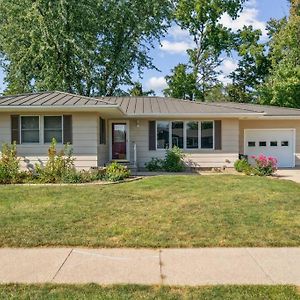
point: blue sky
(175, 43)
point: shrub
(9, 164)
(155, 164)
(174, 160)
(241, 165)
(59, 166)
(264, 166)
(116, 172)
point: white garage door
(279, 143)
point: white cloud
(175, 47)
(177, 33)
(248, 17)
(157, 83)
(228, 65)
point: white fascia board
(272, 118)
(193, 115)
(81, 108)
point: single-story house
(135, 129)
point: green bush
(241, 165)
(174, 160)
(59, 166)
(116, 172)
(155, 164)
(9, 164)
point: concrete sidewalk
(204, 266)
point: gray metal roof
(142, 106)
(165, 106)
(266, 109)
(50, 99)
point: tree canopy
(83, 46)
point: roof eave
(273, 117)
(193, 115)
(77, 108)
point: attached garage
(278, 143)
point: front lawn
(127, 292)
(165, 211)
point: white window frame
(185, 135)
(40, 133)
(62, 129)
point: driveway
(289, 174)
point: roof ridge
(52, 92)
(26, 94)
(82, 96)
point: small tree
(9, 164)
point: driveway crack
(67, 257)
(260, 266)
(162, 276)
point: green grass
(166, 211)
(93, 291)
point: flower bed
(263, 166)
(59, 168)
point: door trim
(110, 122)
(274, 129)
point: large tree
(201, 18)
(282, 87)
(82, 46)
(253, 66)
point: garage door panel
(275, 143)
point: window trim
(185, 135)
(40, 132)
(170, 136)
(62, 129)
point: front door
(119, 145)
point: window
(273, 144)
(192, 135)
(185, 134)
(207, 135)
(177, 134)
(102, 132)
(163, 137)
(285, 144)
(30, 129)
(262, 144)
(251, 144)
(52, 129)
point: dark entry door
(119, 141)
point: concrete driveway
(289, 174)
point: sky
(172, 50)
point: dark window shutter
(68, 132)
(218, 135)
(102, 131)
(15, 129)
(152, 135)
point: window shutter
(15, 129)
(102, 131)
(152, 135)
(68, 132)
(218, 135)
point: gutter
(192, 115)
(80, 108)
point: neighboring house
(135, 129)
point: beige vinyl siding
(84, 141)
(197, 157)
(270, 124)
